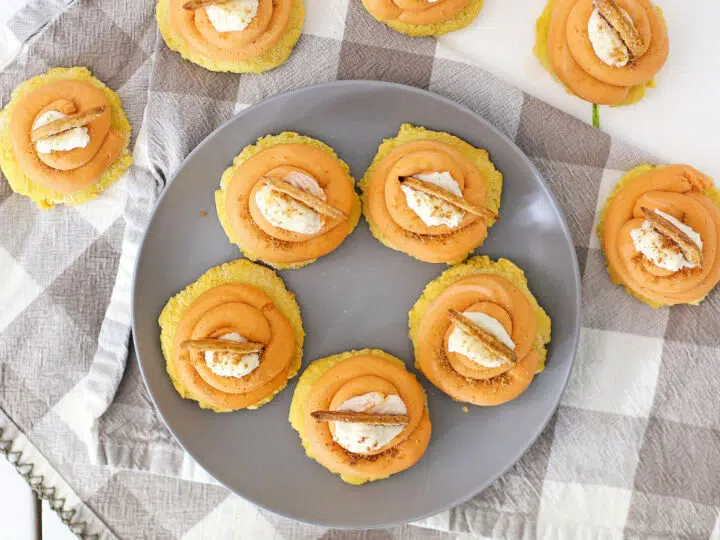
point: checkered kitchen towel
(634, 449)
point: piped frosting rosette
(424, 17)
(65, 138)
(237, 35)
(478, 332)
(287, 200)
(233, 338)
(604, 51)
(431, 195)
(660, 231)
(361, 414)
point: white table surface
(677, 121)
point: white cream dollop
(232, 16)
(655, 247)
(228, 364)
(364, 438)
(431, 210)
(62, 142)
(606, 42)
(285, 212)
(463, 343)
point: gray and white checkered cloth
(633, 451)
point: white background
(678, 121)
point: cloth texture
(633, 450)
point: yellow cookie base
(304, 386)
(713, 194)
(240, 271)
(263, 143)
(483, 265)
(408, 133)
(271, 59)
(540, 49)
(44, 197)
(461, 20)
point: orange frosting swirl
(455, 374)
(361, 373)
(415, 11)
(574, 61)
(72, 170)
(250, 312)
(265, 31)
(682, 192)
(399, 227)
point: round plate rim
(371, 84)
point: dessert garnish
(80, 119)
(451, 198)
(624, 28)
(361, 418)
(221, 346)
(192, 5)
(668, 229)
(488, 340)
(308, 199)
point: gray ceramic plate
(356, 297)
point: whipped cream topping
(431, 210)
(284, 212)
(661, 251)
(463, 343)
(606, 42)
(62, 142)
(364, 438)
(232, 16)
(229, 364)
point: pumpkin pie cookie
(63, 138)
(606, 52)
(239, 36)
(431, 195)
(424, 17)
(287, 200)
(660, 232)
(361, 414)
(478, 332)
(232, 339)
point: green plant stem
(596, 115)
